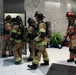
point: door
(15, 8)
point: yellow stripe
(35, 61)
(18, 59)
(18, 32)
(18, 40)
(37, 39)
(14, 31)
(11, 39)
(45, 58)
(42, 30)
(41, 43)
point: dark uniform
(71, 32)
(31, 34)
(17, 39)
(41, 42)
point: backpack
(48, 27)
(4, 31)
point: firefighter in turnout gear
(31, 34)
(6, 36)
(17, 39)
(71, 33)
(41, 42)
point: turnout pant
(17, 50)
(41, 50)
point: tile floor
(59, 56)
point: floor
(59, 56)
(61, 69)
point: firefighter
(17, 39)
(71, 33)
(41, 42)
(31, 34)
(6, 36)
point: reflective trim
(18, 32)
(18, 40)
(18, 59)
(45, 58)
(40, 42)
(35, 61)
(42, 30)
(14, 31)
(37, 39)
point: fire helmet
(39, 15)
(31, 21)
(70, 14)
(18, 19)
(8, 17)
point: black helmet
(8, 17)
(39, 15)
(31, 21)
(18, 19)
(14, 21)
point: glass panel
(13, 15)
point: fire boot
(18, 61)
(3, 54)
(70, 60)
(46, 63)
(29, 59)
(75, 62)
(10, 53)
(33, 66)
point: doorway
(15, 8)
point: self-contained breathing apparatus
(48, 28)
(40, 16)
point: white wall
(54, 10)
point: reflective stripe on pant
(17, 50)
(32, 46)
(41, 50)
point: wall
(54, 10)
(1, 11)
